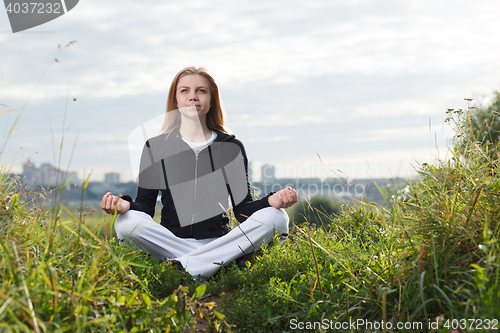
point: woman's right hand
(284, 198)
(110, 203)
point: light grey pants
(202, 258)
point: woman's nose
(193, 96)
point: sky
(353, 89)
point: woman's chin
(193, 113)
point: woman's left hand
(284, 198)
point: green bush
(481, 125)
(318, 211)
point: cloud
(124, 54)
(269, 139)
(281, 119)
(392, 108)
(373, 164)
(391, 134)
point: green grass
(430, 254)
(93, 218)
(56, 277)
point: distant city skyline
(44, 175)
(47, 175)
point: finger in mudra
(284, 198)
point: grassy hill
(429, 260)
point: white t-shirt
(199, 146)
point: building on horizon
(111, 178)
(250, 172)
(46, 175)
(267, 173)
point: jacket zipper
(195, 186)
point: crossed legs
(202, 257)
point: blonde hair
(215, 116)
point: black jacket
(198, 185)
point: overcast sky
(361, 85)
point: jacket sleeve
(145, 201)
(249, 206)
(149, 181)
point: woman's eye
(202, 90)
(183, 90)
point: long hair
(215, 116)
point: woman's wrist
(268, 196)
(127, 198)
(283, 199)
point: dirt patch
(201, 324)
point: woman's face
(193, 96)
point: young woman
(199, 169)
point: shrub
(318, 211)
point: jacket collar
(221, 136)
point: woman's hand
(284, 198)
(110, 203)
